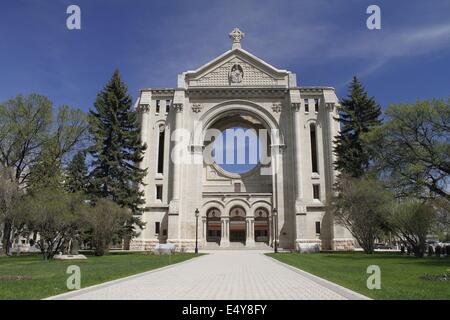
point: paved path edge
(343, 291)
(94, 287)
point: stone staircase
(237, 246)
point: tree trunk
(6, 241)
(126, 242)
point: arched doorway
(213, 225)
(237, 225)
(262, 225)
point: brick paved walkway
(223, 275)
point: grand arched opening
(237, 225)
(237, 143)
(213, 225)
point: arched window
(161, 149)
(313, 137)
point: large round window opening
(237, 150)
(237, 143)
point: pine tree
(46, 172)
(76, 173)
(117, 148)
(358, 115)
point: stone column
(174, 205)
(225, 232)
(300, 208)
(330, 138)
(204, 230)
(250, 226)
(176, 167)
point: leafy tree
(105, 219)
(30, 139)
(56, 216)
(76, 173)
(10, 218)
(24, 126)
(46, 170)
(358, 114)
(117, 150)
(411, 220)
(412, 149)
(361, 206)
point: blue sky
(324, 42)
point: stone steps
(237, 246)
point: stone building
(279, 201)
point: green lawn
(48, 278)
(400, 275)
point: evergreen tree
(357, 116)
(46, 171)
(76, 173)
(117, 148)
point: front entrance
(213, 226)
(262, 225)
(237, 225)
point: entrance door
(261, 225)
(213, 225)
(237, 225)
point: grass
(41, 279)
(400, 275)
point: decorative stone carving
(220, 76)
(143, 108)
(236, 36)
(236, 74)
(276, 107)
(197, 107)
(330, 107)
(178, 107)
(296, 106)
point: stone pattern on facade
(221, 76)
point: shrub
(362, 207)
(411, 220)
(105, 219)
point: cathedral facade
(279, 201)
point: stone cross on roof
(236, 35)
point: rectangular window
(237, 187)
(318, 227)
(159, 192)
(157, 224)
(161, 149)
(316, 191)
(316, 105)
(306, 101)
(167, 106)
(158, 106)
(313, 140)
